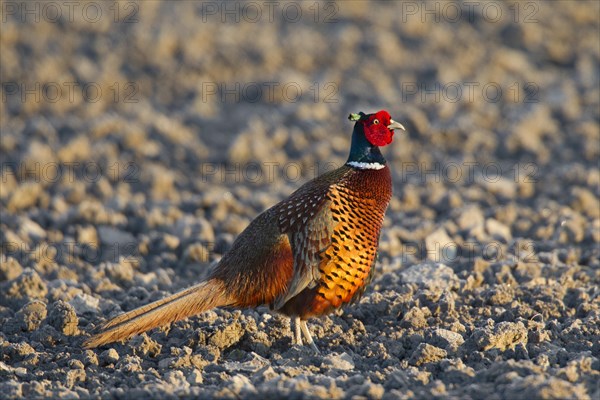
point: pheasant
(305, 257)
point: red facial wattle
(376, 129)
(379, 135)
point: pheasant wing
(306, 218)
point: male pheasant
(306, 256)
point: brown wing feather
(306, 218)
(259, 265)
(307, 244)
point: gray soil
(129, 186)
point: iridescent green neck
(362, 152)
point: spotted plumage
(306, 256)
(336, 249)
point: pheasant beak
(395, 125)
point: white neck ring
(364, 165)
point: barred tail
(188, 302)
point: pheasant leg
(307, 335)
(297, 334)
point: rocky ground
(139, 138)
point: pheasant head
(371, 131)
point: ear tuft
(356, 117)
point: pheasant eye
(375, 122)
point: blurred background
(138, 138)
(113, 111)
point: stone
(341, 361)
(440, 247)
(84, 303)
(431, 276)
(63, 318)
(240, 384)
(27, 285)
(227, 336)
(195, 377)
(32, 314)
(503, 336)
(9, 268)
(415, 319)
(109, 356)
(446, 339)
(426, 353)
(497, 230)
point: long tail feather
(188, 302)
